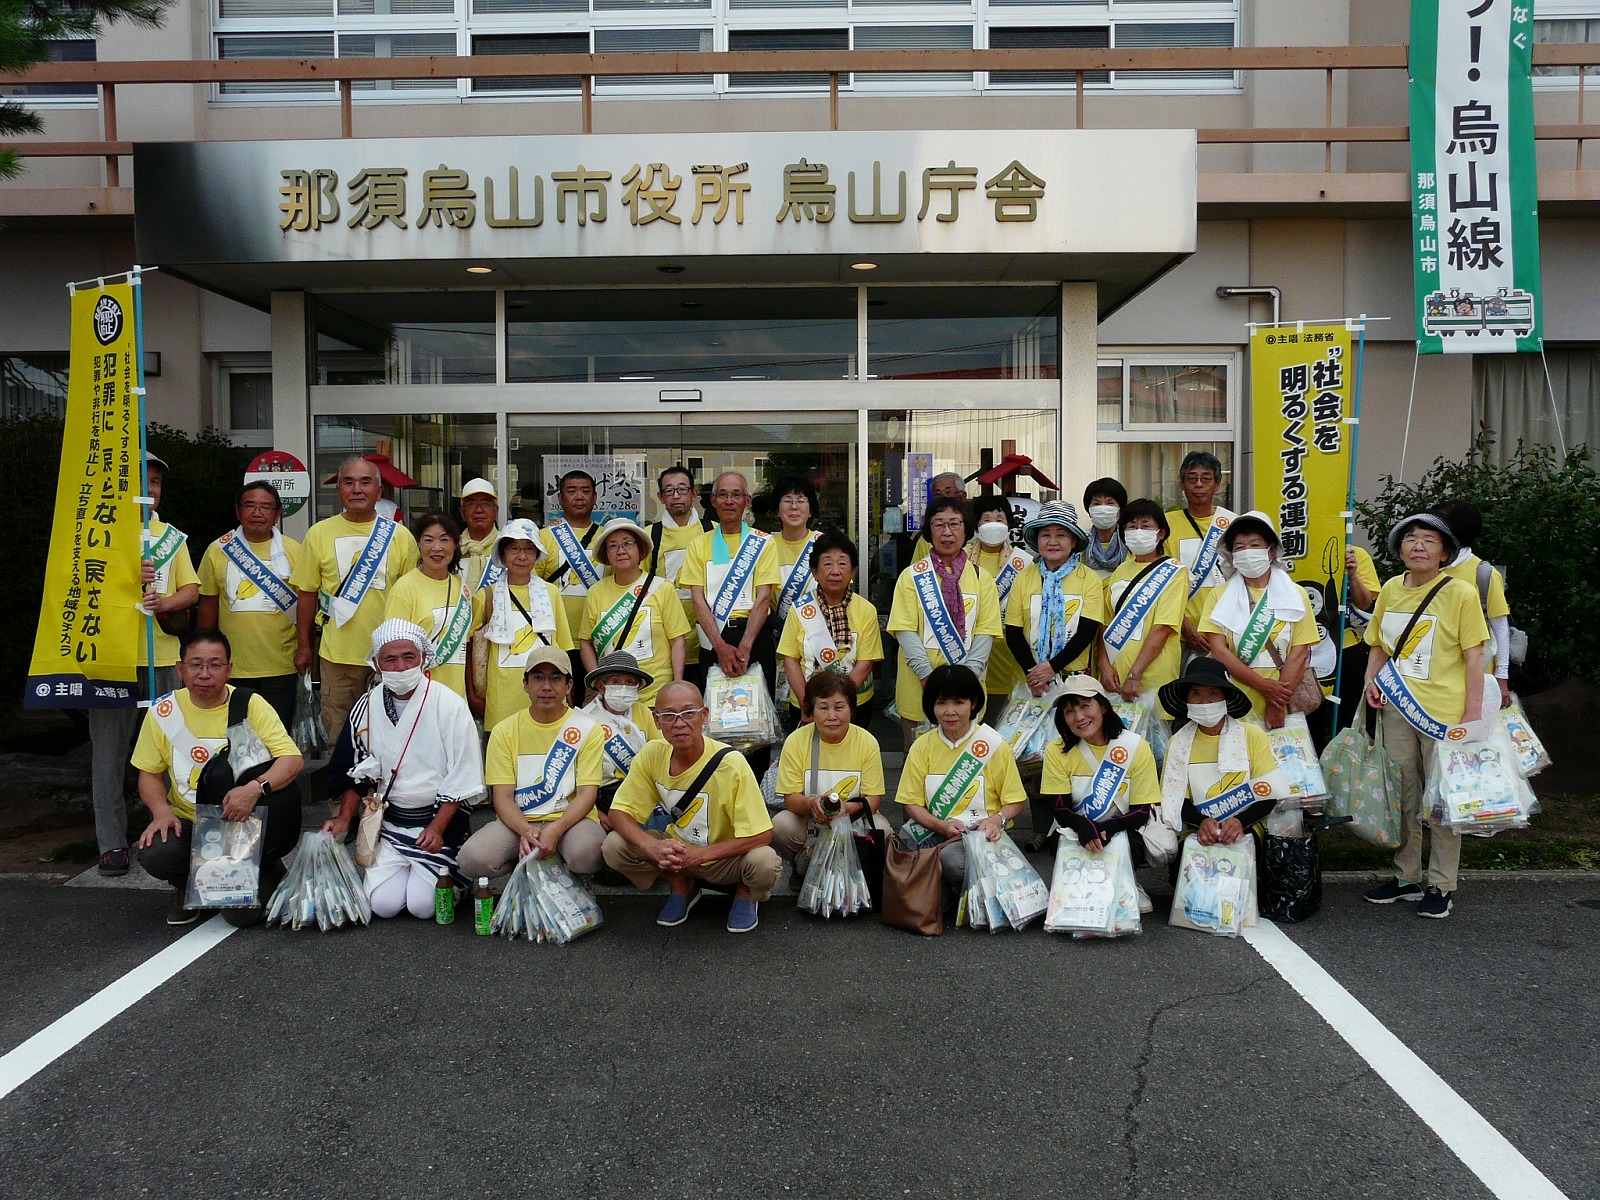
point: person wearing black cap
(171, 587)
(617, 683)
(1426, 675)
(1220, 779)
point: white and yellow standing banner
(1300, 383)
(85, 653)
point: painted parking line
(111, 1001)
(1478, 1144)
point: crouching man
(690, 812)
(178, 738)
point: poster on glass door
(618, 483)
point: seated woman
(518, 612)
(436, 597)
(625, 719)
(1220, 780)
(960, 775)
(826, 763)
(1101, 777)
(833, 630)
(1259, 624)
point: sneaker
(676, 910)
(1388, 893)
(177, 914)
(743, 916)
(1435, 904)
(1144, 899)
(114, 863)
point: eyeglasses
(210, 664)
(676, 718)
(681, 490)
(729, 495)
(948, 526)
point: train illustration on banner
(1508, 311)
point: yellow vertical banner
(1301, 377)
(85, 652)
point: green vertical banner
(1474, 178)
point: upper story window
(66, 50)
(1565, 22)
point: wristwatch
(266, 788)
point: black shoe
(114, 863)
(1435, 904)
(177, 914)
(1388, 893)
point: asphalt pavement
(808, 1059)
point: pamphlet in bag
(742, 713)
(1216, 887)
(225, 859)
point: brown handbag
(912, 882)
(1307, 696)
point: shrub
(1541, 526)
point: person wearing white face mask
(1220, 778)
(1104, 500)
(1141, 644)
(993, 554)
(618, 684)
(1258, 624)
(409, 746)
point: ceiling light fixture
(863, 266)
(480, 270)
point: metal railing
(1080, 65)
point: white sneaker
(1144, 899)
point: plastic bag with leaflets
(1093, 893)
(742, 712)
(1026, 723)
(1474, 786)
(1363, 782)
(225, 859)
(1297, 759)
(320, 886)
(1145, 717)
(308, 732)
(835, 885)
(1532, 757)
(543, 902)
(1215, 888)
(1002, 885)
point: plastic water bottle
(444, 900)
(482, 908)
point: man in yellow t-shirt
(543, 770)
(259, 620)
(744, 637)
(1200, 477)
(171, 586)
(347, 563)
(720, 834)
(177, 740)
(566, 543)
(675, 532)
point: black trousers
(276, 690)
(169, 860)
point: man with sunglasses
(690, 812)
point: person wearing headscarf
(1104, 500)
(516, 613)
(1058, 605)
(409, 747)
(1425, 673)
(1258, 624)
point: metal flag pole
(1359, 326)
(146, 502)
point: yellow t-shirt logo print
(1423, 629)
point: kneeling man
(690, 811)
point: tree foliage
(1541, 526)
(27, 27)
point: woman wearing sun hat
(517, 612)
(626, 722)
(1057, 606)
(629, 610)
(1426, 674)
(1258, 623)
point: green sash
(958, 781)
(1256, 630)
(162, 550)
(608, 626)
(455, 630)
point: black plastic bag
(1291, 878)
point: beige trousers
(342, 685)
(1412, 752)
(757, 870)
(493, 850)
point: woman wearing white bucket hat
(517, 612)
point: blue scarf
(1053, 608)
(1108, 557)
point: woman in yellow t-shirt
(834, 630)
(518, 613)
(652, 629)
(1259, 623)
(436, 598)
(1058, 606)
(1150, 651)
(993, 554)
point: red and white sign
(286, 473)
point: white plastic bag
(225, 859)
(1532, 757)
(1216, 887)
(1297, 759)
(1475, 786)
(1009, 891)
(742, 713)
(320, 885)
(1093, 894)
(307, 730)
(1026, 724)
(1144, 717)
(543, 902)
(835, 884)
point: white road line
(1478, 1144)
(55, 1039)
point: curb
(1561, 876)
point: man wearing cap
(170, 587)
(631, 610)
(410, 748)
(671, 536)
(480, 508)
(245, 593)
(625, 719)
(566, 542)
(713, 825)
(732, 573)
(1196, 538)
(347, 563)
(543, 769)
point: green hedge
(206, 473)
(1541, 525)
